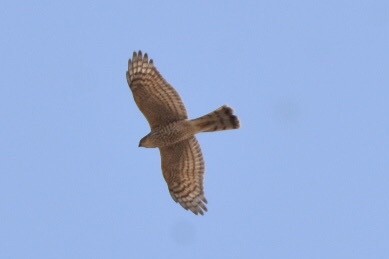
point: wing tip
(139, 57)
(139, 64)
(197, 206)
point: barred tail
(220, 119)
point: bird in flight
(173, 133)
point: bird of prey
(173, 133)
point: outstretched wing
(156, 98)
(183, 170)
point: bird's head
(146, 142)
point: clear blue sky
(307, 175)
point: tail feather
(220, 119)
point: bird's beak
(139, 145)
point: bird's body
(221, 119)
(173, 133)
(169, 134)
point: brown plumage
(173, 133)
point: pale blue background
(307, 175)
